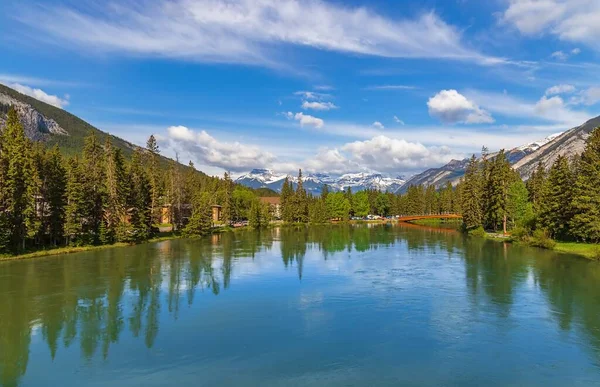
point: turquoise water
(335, 306)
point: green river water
(319, 306)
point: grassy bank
(586, 250)
(78, 249)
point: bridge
(412, 218)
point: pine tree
(139, 202)
(555, 206)
(586, 193)
(317, 211)
(300, 201)
(56, 177)
(155, 179)
(226, 211)
(471, 195)
(499, 178)
(535, 186)
(116, 223)
(360, 204)
(324, 192)
(200, 221)
(519, 208)
(20, 185)
(93, 167)
(75, 210)
(446, 196)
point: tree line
(297, 206)
(98, 197)
(562, 203)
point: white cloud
(318, 105)
(450, 107)
(559, 55)
(206, 150)
(576, 51)
(387, 154)
(306, 120)
(560, 89)
(398, 120)
(377, 125)
(506, 105)
(569, 20)
(587, 97)
(312, 95)
(246, 31)
(40, 95)
(390, 87)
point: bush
(520, 234)
(541, 239)
(478, 232)
(596, 253)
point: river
(338, 306)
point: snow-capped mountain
(313, 183)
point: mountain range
(53, 126)
(313, 183)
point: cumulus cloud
(40, 95)
(312, 95)
(377, 125)
(559, 55)
(451, 107)
(315, 105)
(398, 120)
(306, 120)
(392, 155)
(569, 20)
(206, 150)
(245, 31)
(560, 89)
(509, 106)
(589, 97)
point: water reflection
(93, 300)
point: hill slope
(570, 143)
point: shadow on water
(92, 299)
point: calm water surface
(337, 306)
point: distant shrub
(519, 233)
(596, 252)
(541, 239)
(478, 232)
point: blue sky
(327, 86)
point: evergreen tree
(139, 200)
(287, 198)
(586, 193)
(56, 182)
(535, 186)
(555, 206)
(317, 211)
(20, 184)
(324, 192)
(300, 202)
(360, 204)
(155, 178)
(116, 222)
(499, 178)
(446, 196)
(226, 211)
(76, 208)
(518, 207)
(93, 185)
(200, 221)
(472, 196)
(338, 206)
(382, 204)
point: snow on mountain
(313, 183)
(532, 147)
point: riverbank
(163, 236)
(586, 250)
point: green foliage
(317, 211)
(555, 205)
(200, 221)
(472, 198)
(478, 232)
(259, 214)
(585, 223)
(360, 204)
(541, 239)
(338, 206)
